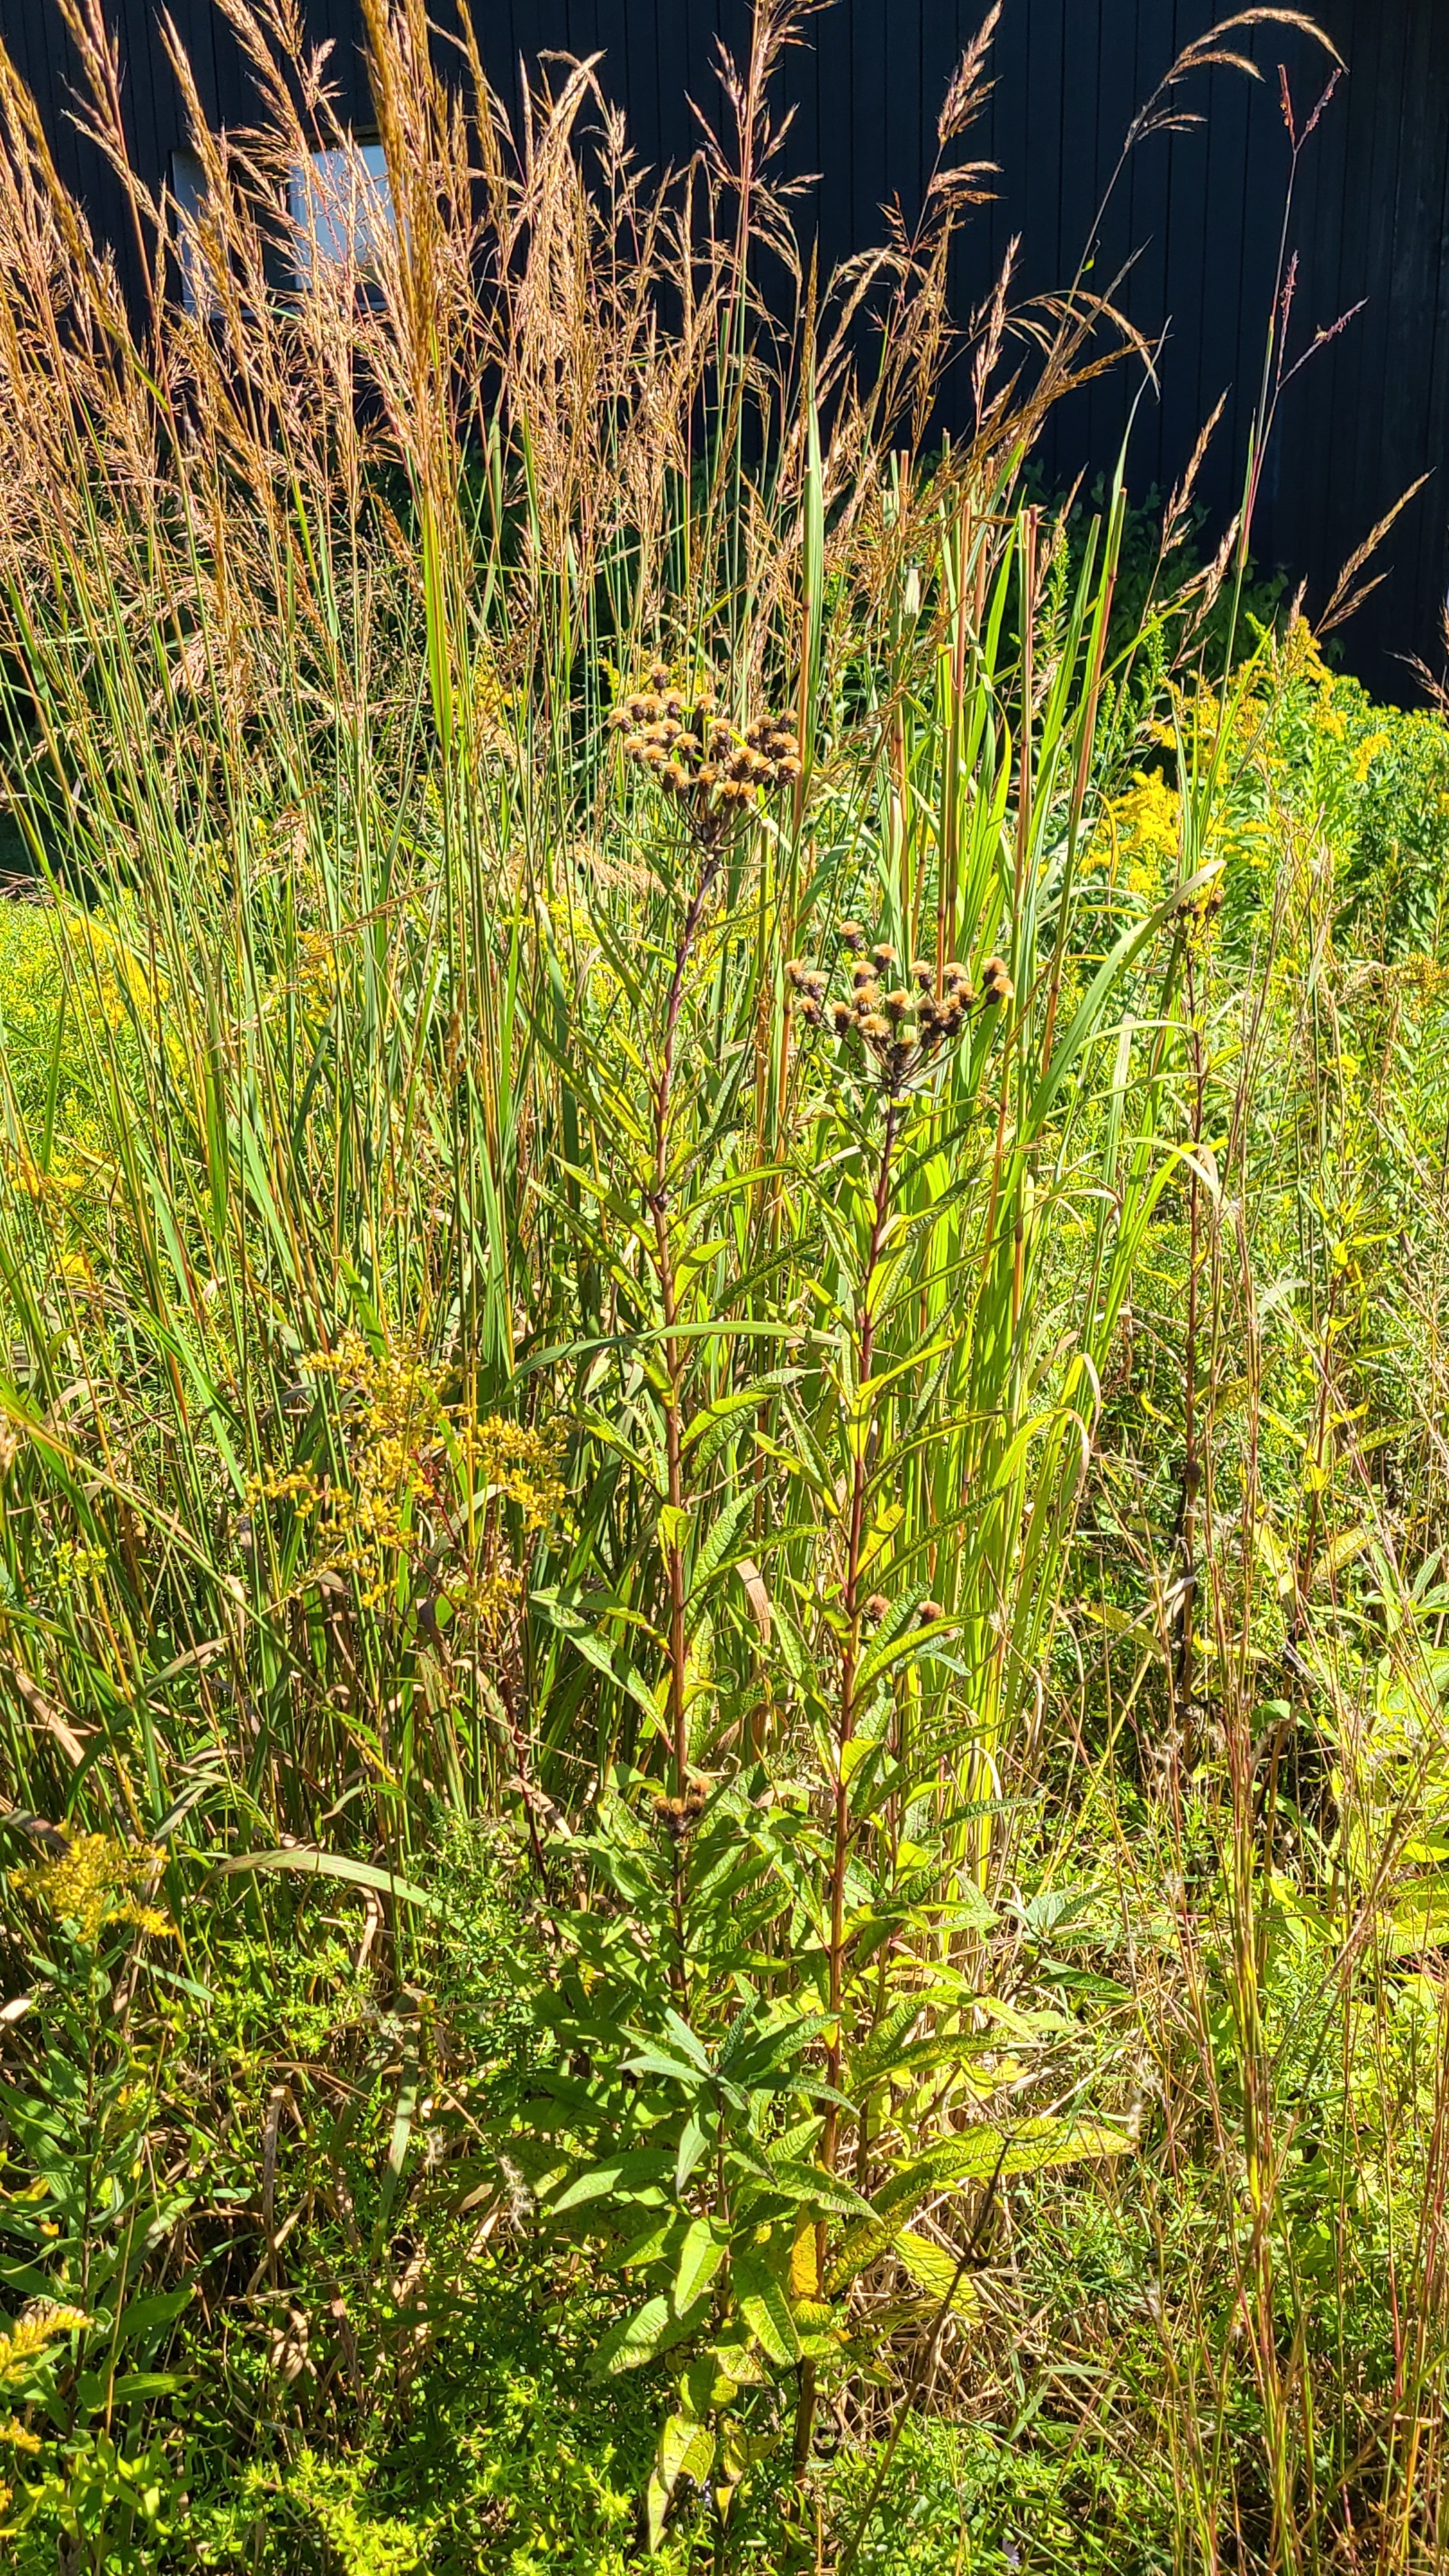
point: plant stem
(1192, 1470)
(673, 1353)
(674, 1367)
(845, 1726)
(850, 1657)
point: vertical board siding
(1197, 214)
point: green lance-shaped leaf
(765, 2309)
(973, 2155)
(700, 2257)
(1420, 1920)
(686, 2450)
(621, 2177)
(653, 2329)
(938, 2272)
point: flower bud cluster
(902, 1024)
(678, 734)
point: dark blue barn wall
(1197, 214)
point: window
(340, 207)
(188, 197)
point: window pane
(188, 191)
(341, 208)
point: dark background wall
(1200, 210)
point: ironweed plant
(722, 1500)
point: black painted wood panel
(1197, 214)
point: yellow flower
(91, 1884)
(520, 1464)
(29, 2336)
(1302, 659)
(1144, 832)
(1366, 753)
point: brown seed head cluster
(903, 1026)
(877, 1609)
(676, 731)
(678, 1815)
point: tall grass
(866, 1468)
(314, 600)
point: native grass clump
(722, 1496)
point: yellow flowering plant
(84, 2203)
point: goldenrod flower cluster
(522, 1465)
(92, 1884)
(28, 2338)
(393, 1418)
(20, 2348)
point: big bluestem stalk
(1183, 1669)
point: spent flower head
(906, 1029)
(715, 774)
